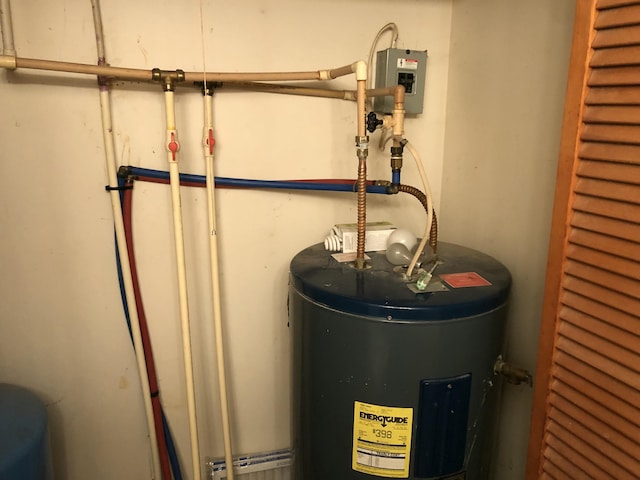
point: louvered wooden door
(586, 414)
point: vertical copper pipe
(362, 144)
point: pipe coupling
(362, 145)
(396, 158)
(8, 61)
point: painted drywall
(63, 330)
(508, 70)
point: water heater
(390, 382)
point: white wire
(394, 39)
(427, 191)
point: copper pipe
(422, 198)
(362, 144)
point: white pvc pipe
(97, 21)
(174, 177)
(110, 158)
(126, 277)
(208, 145)
(427, 191)
(140, 75)
(8, 47)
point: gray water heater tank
(389, 383)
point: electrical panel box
(395, 66)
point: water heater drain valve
(511, 373)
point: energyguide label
(381, 440)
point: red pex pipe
(144, 331)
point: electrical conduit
(208, 146)
(174, 178)
(427, 191)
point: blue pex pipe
(267, 184)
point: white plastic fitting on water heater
(343, 237)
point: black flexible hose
(422, 198)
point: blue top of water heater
(473, 284)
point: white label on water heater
(381, 440)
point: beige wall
(62, 328)
(508, 70)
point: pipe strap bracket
(109, 188)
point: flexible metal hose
(422, 198)
(362, 211)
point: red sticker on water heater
(466, 279)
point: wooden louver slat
(607, 208)
(609, 171)
(608, 226)
(617, 37)
(612, 114)
(613, 96)
(618, 17)
(616, 57)
(625, 192)
(611, 152)
(614, 76)
(602, 4)
(611, 133)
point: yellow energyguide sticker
(381, 440)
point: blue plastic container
(24, 437)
